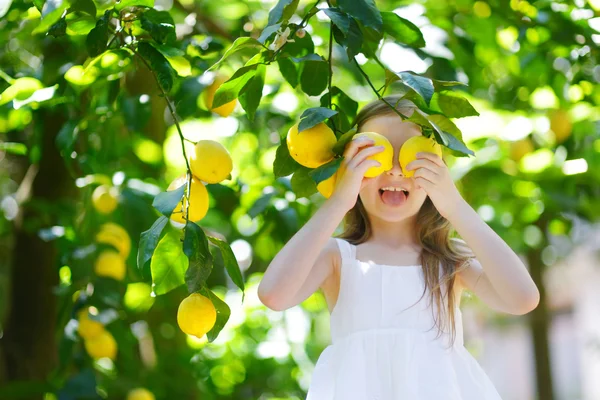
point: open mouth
(393, 196)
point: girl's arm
(497, 275)
(305, 262)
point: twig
(331, 68)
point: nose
(396, 170)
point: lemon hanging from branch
(101, 345)
(312, 147)
(199, 200)
(208, 96)
(210, 161)
(196, 315)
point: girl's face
(392, 207)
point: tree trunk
(540, 323)
(29, 346)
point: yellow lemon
(102, 345)
(140, 394)
(327, 186)
(312, 147)
(414, 145)
(116, 236)
(196, 315)
(560, 124)
(110, 264)
(198, 200)
(210, 162)
(209, 94)
(384, 157)
(520, 148)
(105, 199)
(88, 327)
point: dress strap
(347, 250)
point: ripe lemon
(198, 200)
(102, 345)
(88, 328)
(327, 186)
(312, 147)
(414, 145)
(110, 264)
(140, 394)
(116, 236)
(560, 124)
(520, 148)
(196, 315)
(210, 162)
(385, 157)
(105, 199)
(209, 94)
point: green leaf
(165, 202)
(422, 85)
(240, 43)
(260, 204)
(223, 313)
(283, 10)
(160, 25)
(284, 164)
(313, 116)
(452, 104)
(340, 146)
(348, 34)
(159, 65)
(363, 10)
(149, 240)
(371, 38)
(346, 107)
(84, 6)
(195, 247)
(67, 136)
(80, 26)
(302, 183)
(21, 89)
(402, 29)
(231, 89)
(181, 65)
(250, 99)
(288, 71)
(231, 264)
(97, 40)
(314, 77)
(134, 3)
(59, 28)
(267, 32)
(326, 170)
(339, 18)
(443, 84)
(51, 12)
(14, 148)
(169, 263)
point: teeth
(394, 189)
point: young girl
(393, 279)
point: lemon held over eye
(414, 145)
(384, 157)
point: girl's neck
(394, 234)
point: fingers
(363, 154)
(354, 146)
(365, 165)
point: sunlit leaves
(84, 6)
(250, 99)
(346, 31)
(133, 3)
(402, 30)
(169, 263)
(239, 44)
(149, 240)
(344, 105)
(288, 70)
(78, 76)
(14, 148)
(51, 13)
(20, 89)
(231, 89)
(453, 105)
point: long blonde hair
(433, 232)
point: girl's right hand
(352, 179)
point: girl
(395, 274)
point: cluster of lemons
(98, 342)
(314, 147)
(111, 263)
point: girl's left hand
(432, 174)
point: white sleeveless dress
(384, 349)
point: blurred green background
(532, 74)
